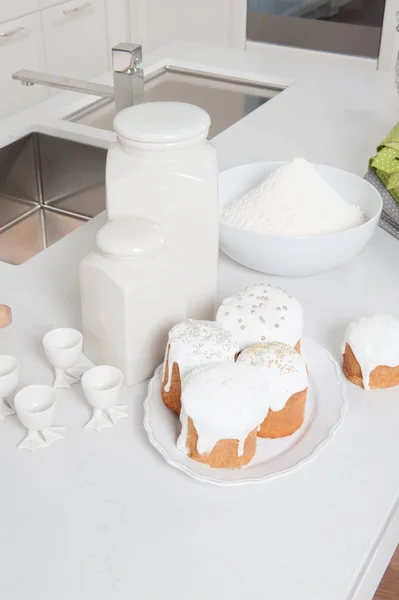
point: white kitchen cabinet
(154, 23)
(21, 47)
(12, 9)
(117, 22)
(75, 39)
(49, 3)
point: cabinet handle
(77, 9)
(12, 32)
(397, 18)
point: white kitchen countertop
(101, 516)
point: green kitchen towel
(386, 162)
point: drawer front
(49, 3)
(21, 47)
(11, 9)
(75, 39)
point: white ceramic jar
(132, 293)
(163, 168)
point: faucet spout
(29, 78)
(128, 88)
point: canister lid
(162, 122)
(130, 237)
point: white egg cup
(35, 406)
(102, 387)
(9, 377)
(63, 348)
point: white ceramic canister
(132, 293)
(163, 168)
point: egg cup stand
(64, 378)
(5, 320)
(101, 419)
(102, 387)
(42, 439)
(63, 348)
(35, 405)
(5, 409)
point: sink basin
(226, 99)
(48, 187)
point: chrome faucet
(128, 88)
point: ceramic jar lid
(162, 122)
(130, 237)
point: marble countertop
(102, 515)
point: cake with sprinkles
(262, 313)
(191, 344)
(371, 352)
(286, 382)
(239, 378)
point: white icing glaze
(193, 343)
(262, 314)
(224, 401)
(375, 342)
(282, 367)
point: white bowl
(300, 255)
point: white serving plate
(325, 409)
(297, 255)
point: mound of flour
(294, 200)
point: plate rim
(270, 476)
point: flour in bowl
(294, 200)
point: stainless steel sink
(48, 187)
(226, 99)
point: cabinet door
(154, 23)
(11, 10)
(21, 47)
(48, 3)
(117, 22)
(75, 39)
